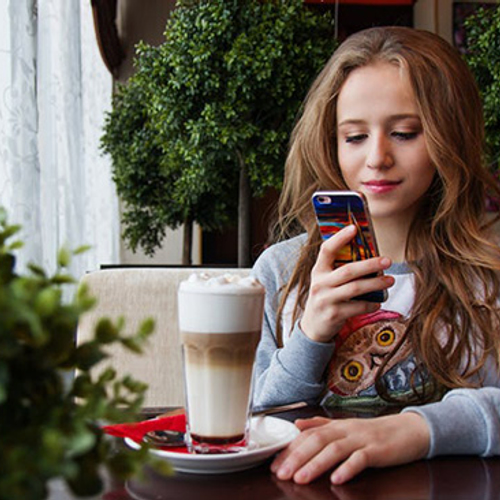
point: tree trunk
(187, 242)
(244, 216)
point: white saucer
(267, 436)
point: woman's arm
(465, 422)
(293, 372)
(290, 373)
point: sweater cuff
(304, 358)
(456, 426)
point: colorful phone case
(338, 209)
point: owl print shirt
(337, 372)
(344, 371)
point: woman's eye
(405, 136)
(355, 138)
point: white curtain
(54, 91)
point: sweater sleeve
(465, 422)
(293, 372)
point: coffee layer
(220, 349)
(218, 375)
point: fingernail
(349, 229)
(385, 262)
(336, 478)
(301, 477)
(284, 472)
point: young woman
(396, 115)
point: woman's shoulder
(283, 251)
(280, 258)
(285, 247)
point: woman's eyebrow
(392, 118)
(351, 121)
(404, 116)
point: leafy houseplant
(48, 426)
(205, 121)
(482, 54)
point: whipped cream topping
(225, 283)
(228, 303)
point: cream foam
(226, 283)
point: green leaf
(63, 279)
(105, 331)
(133, 344)
(146, 328)
(63, 257)
(82, 386)
(107, 375)
(37, 270)
(81, 442)
(16, 245)
(89, 355)
(82, 249)
(47, 301)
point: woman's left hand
(351, 446)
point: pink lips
(379, 187)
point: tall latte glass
(220, 322)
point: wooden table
(453, 478)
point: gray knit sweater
(465, 421)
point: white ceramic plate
(268, 435)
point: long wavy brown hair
(454, 323)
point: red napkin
(136, 430)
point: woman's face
(382, 150)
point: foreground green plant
(49, 425)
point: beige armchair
(136, 294)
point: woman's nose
(380, 154)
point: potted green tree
(204, 123)
(49, 423)
(482, 53)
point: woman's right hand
(329, 302)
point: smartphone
(338, 209)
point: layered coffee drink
(220, 322)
